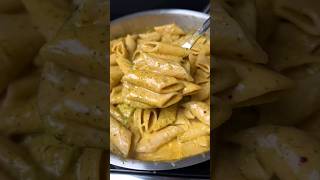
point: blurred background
(120, 8)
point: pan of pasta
(159, 91)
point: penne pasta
(196, 146)
(22, 119)
(154, 82)
(85, 104)
(152, 36)
(116, 114)
(169, 29)
(201, 76)
(113, 61)
(295, 107)
(46, 151)
(116, 95)
(152, 142)
(120, 137)
(160, 66)
(188, 114)
(190, 88)
(115, 76)
(203, 93)
(90, 13)
(137, 104)
(196, 129)
(245, 11)
(222, 111)
(226, 166)
(232, 39)
(167, 116)
(167, 57)
(150, 82)
(73, 133)
(14, 56)
(300, 51)
(250, 166)
(225, 75)
(251, 75)
(131, 44)
(200, 110)
(143, 119)
(182, 121)
(203, 62)
(304, 15)
(119, 48)
(21, 90)
(169, 38)
(126, 110)
(145, 96)
(124, 64)
(47, 15)
(275, 157)
(88, 164)
(163, 48)
(23, 167)
(80, 49)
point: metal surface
(194, 38)
(116, 176)
(139, 22)
(157, 166)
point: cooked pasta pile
(160, 95)
(266, 89)
(52, 89)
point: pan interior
(140, 22)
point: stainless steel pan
(139, 22)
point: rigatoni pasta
(153, 81)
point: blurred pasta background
(266, 89)
(53, 89)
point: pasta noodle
(22, 168)
(48, 15)
(43, 148)
(155, 140)
(14, 56)
(304, 15)
(233, 39)
(200, 110)
(153, 80)
(161, 66)
(89, 164)
(120, 137)
(142, 95)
